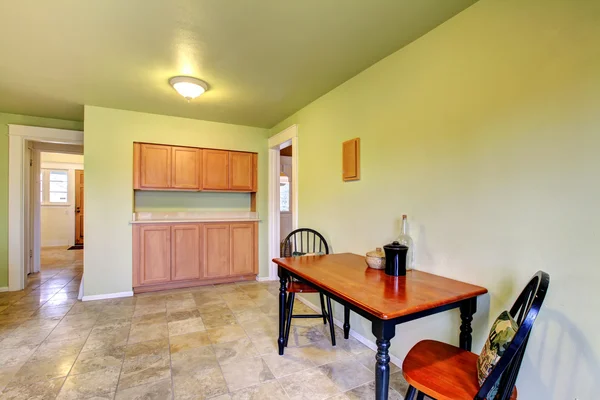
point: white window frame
(45, 195)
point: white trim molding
(288, 136)
(265, 279)
(4, 289)
(107, 296)
(369, 343)
(18, 167)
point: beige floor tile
(303, 335)
(46, 369)
(367, 392)
(41, 390)
(202, 385)
(103, 338)
(186, 326)
(10, 357)
(173, 316)
(265, 345)
(145, 332)
(218, 319)
(7, 374)
(323, 352)
(271, 390)
(160, 390)
(246, 372)
(151, 347)
(96, 383)
(234, 351)
(143, 370)
(90, 361)
(188, 341)
(226, 334)
(291, 362)
(193, 360)
(347, 374)
(398, 383)
(309, 384)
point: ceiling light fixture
(188, 87)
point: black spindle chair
(299, 242)
(445, 372)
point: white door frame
(18, 166)
(276, 143)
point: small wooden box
(351, 160)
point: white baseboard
(367, 342)
(107, 296)
(264, 279)
(4, 289)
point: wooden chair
(445, 372)
(305, 241)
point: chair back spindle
(304, 240)
(524, 311)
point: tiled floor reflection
(214, 342)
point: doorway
(282, 217)
(79, 207)
(26, 143)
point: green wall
(486, 132)
(108, 154)
(16, 119)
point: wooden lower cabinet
(189, 254)
(185, 252)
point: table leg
(384, 331)
(346, 322)
(282, 292)
(467, 309)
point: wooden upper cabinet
(243, 248)
(241, 171)
(185, 252)
(215, 169)
(186, 168)
(163, 167)
(155, 166)
(216, 250)
(154, 254)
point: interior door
(285, 201)
(79, 206)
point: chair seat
(301, 287)
(443, 371)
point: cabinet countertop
(197, 220)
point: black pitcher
(395, 259)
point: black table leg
(384, 331)
(282, 291)
(467, 309)
(346, 322)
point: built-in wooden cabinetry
(169, 255)
(164, 167)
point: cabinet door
(155, 166)
(241, 176)
(155, 254)
(185, 252)
(216, 250)
(187, 165)
(215, 171)
(242, 248)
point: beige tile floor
(213, 342)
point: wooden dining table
(383, 299)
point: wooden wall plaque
(351, 160)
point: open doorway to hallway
(285, 192)
(61, 200)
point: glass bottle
(406, 240)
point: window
(56, 185)
(284, 198)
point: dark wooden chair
(445, 372)
(299, 242)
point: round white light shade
(188, 87)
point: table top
(347, 276)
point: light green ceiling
(263, 59)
